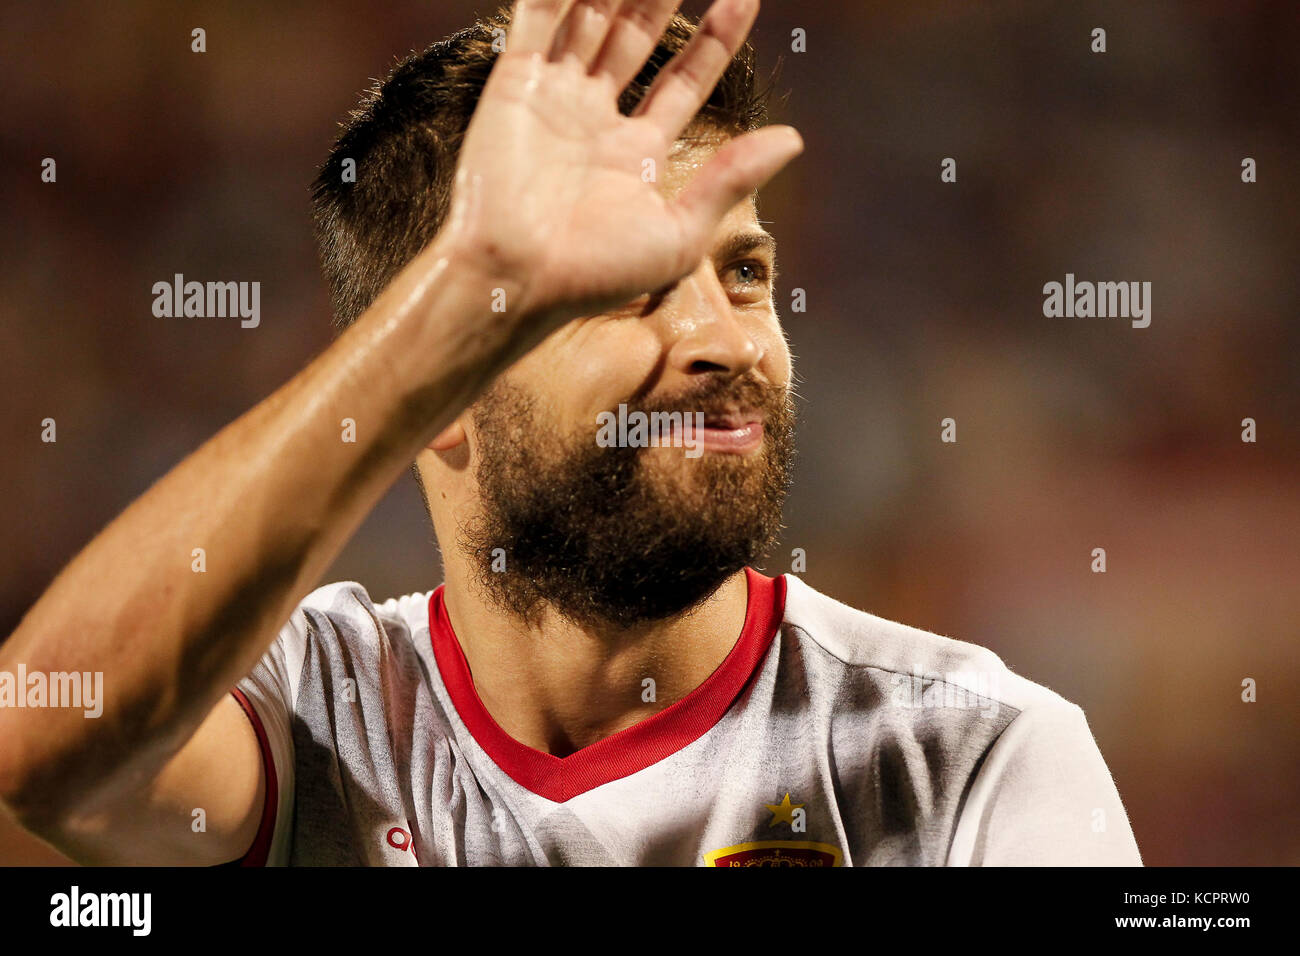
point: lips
(736, 433)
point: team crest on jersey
(775, 853)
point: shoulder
(907, 655)
(345, 611)
(1005, 769)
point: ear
(449, 437)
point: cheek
(608, 364)
(776, 365)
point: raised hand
(549, 189)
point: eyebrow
(729, 250)
(738, 244)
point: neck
(558, 687)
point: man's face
(622, 535)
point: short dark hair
(405, 135)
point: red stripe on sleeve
(261, 848)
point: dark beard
(602, 537)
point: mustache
(721, 394)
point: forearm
(271, 499)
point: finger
(532, 26)
(736, 170)
(632, 38)
(583, 30)
(687, 80)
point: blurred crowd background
(924, 302)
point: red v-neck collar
(629, 750)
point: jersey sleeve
(268, 695)
(1043, 796)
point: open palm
(549, 183)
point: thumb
(736, 170)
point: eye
(748, 275)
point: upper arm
(225, 788)
(204, 807)
(219, 772)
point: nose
(706, 334)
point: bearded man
(549, 216)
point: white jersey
(827, 737)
